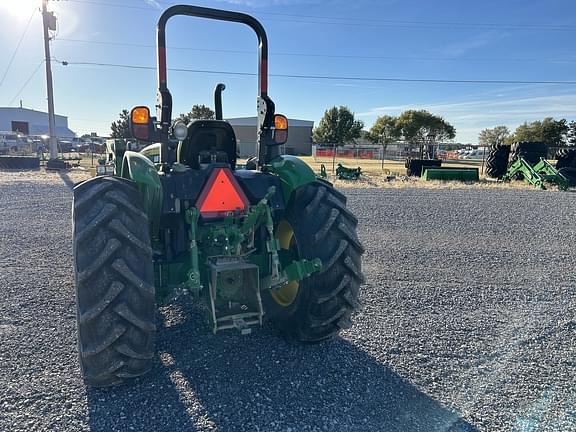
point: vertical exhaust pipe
(218, 100)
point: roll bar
(265, 106)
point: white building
(31, 122)
(299, 136)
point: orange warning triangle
(221, 195)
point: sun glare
(19, 8)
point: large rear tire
(497, 160)
(566, 158)
(531, 152)
(317, 224)
(114, 281)
(569, 174)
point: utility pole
(49, 21)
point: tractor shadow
(261, 382)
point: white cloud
(153, 3)
(461, 47)
(469, 117)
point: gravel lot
(468, 324)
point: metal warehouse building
(31, 122)
(299, 136)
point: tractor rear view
(270, 240)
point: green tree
(417, 126)
(120, 128)
(527, 132)
(198, 112)
(495, 136)
(552, 132)
(384, 131)
(337, 127)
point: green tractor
(267, 241)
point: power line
(27, 82)
(116, 5)
(154, 46)
(436, 23)
(365, 22)
(328, 77)
(17, 47)
(316, 55)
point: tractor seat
(208, 141)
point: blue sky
(455, 40)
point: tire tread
(115, 293)
(325, 228)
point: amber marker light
(140, 115)
(280, 122)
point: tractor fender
(142, 171)
(293, 172)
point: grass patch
(376, 177)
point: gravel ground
(468, 324)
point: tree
(571, 134)
(552, 132)
(337, 127)
(384, 131)
(526, 132)
(198, 112)
(418, 126)
(120, 128)
(495, 136)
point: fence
(357, 153)
(396, 151)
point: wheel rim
(286, 295)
